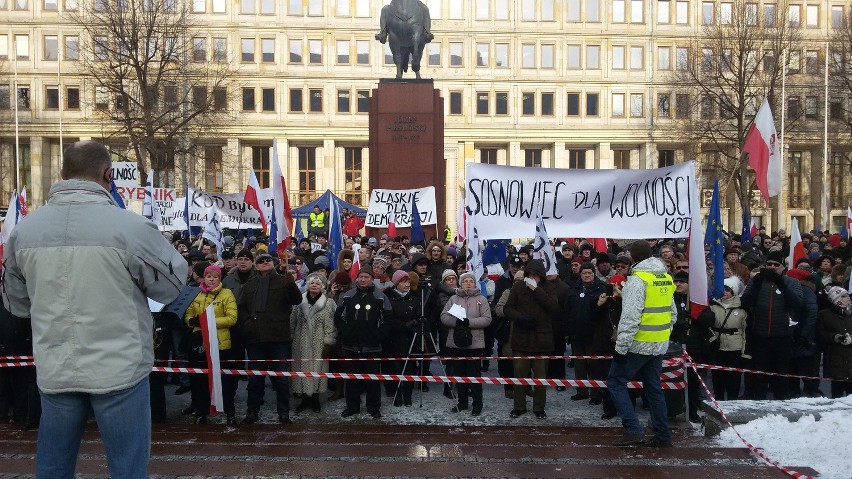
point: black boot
(305, 404)
(315, 404)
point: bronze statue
(406, 23)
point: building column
(36, 194)
(516, 156)
(232, 166)
(560, 155)
(327, 174)
(604, 157)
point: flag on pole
(797, 247)
(149, 207)
(254, 197)
(417, 233)
(713, 237)
(282, 218)
(213, 231)
(495, 251)
(299, 233)
(356, 265)
(763, 156)
(392, 225)
(335, 232)
(462, 221)
(541, 244)
(188, 192)
(113, 191)
(16, 211)
(745, 236)
(849, 219)
(599, 244)
(474, 252)
(207, 322)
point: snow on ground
(824, 444)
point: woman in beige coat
(314, 333)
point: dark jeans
(583, 367)
(556, 367)
(469, 368)
(648, 369)
(19, 394)
(200, 388)
(354, 387)
(726, 384)
(257, 352)
(405, 387)
(840, 389)
(771, 355)
(805, 366)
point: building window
(573, 11)
(220, 49)
(618, 11)
(501, 9)
(769, 14)
(455, 103)
(812, 16)
(637, 107)
(683, 108)
(836, 109)
(295, 99)
(573, 104)
(68, 6)
(528, 56)
(214, 177)
(682, 58)
(24, 98)
(482, 54)
(199, 49)
(528, 10)
(637, 57)
(388, 54)
(362, 48)
(248, 99)
(5, 101)
(72, 48)
(618, 57)
(267, 50)
(621, 159)
(708, 13)
(663, 11)
(547, 13)
(307, 173)
(547, 104)
(51, 98)
(268, 99)
(247, 7)
(794, 15)
(455, 10)
(682, 13)
(794, 107)
(218, 6)
(482, 103)
(363, 101)
(260, 164)
(199, 6)
(170, 96)
(664, 58)
(593, 53)
(592, 104)
(247, 50)
(220, 99)
(665, 158)
(707, 107)
(343, 52)
(316, 100)
(354, 187)
(501, 55)
(812, 62)
(618, 104)
(837, 174)
(637, 11)
(528, 103)
(488, 156)
(837, 18)
(573, 57)
(295, 51)
(456, 58)
(51, 47)
(101, 98)
(811, 108)
(315, 49)
(344, 100)
(577, 159)
(547, 56)
(751, 14)
(726, 11)
(663, 105)
(593, 11)
(795, 179)
(72, 98)
(267, 7)
(434, 58)
(532, 158)
(199, 97)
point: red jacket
(352, 225)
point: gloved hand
(519, 276)
(619, 358)
(326, 351)
(411, 324)
(847, 339)
(838, 338)
(531, 284)
(194, 322)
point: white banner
(125, 174)
(541, 246)
(660, 203)
(385, 205)
(233, 211)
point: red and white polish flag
(392, 225)
(356, 264)
(761, 144)
(214, 368)
(797, 248)
(254, 197)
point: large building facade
(534, 83)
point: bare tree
(158, 86)
(840, 86)
(733, 64)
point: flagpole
(59, 89)
(824, 213)
(17, 139)
(783, 152)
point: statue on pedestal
(407, 25)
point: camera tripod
(419, 339)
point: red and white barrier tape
(667, 362)
(752, 371)
(750, 446)
(16, 364)
(588, 383)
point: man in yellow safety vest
(316, 223)
(648, 311)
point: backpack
(462, 336)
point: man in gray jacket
(81, 269)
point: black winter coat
(582, 315)
(541, 306)
(363, 319)
(273, 324)
(694, 333)
(838, 358)
(405, 310)
(770, 305)
(16, 334)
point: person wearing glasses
(265, 304)
(772, 297)
(732, 257)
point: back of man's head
(86, 160)
(640, 251)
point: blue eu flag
(117, 197)
(495, 251)
(417, 233)
(713, 238)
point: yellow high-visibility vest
(318, 220)
(656, 323)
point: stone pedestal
(407, 141)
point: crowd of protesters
(393, 299)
